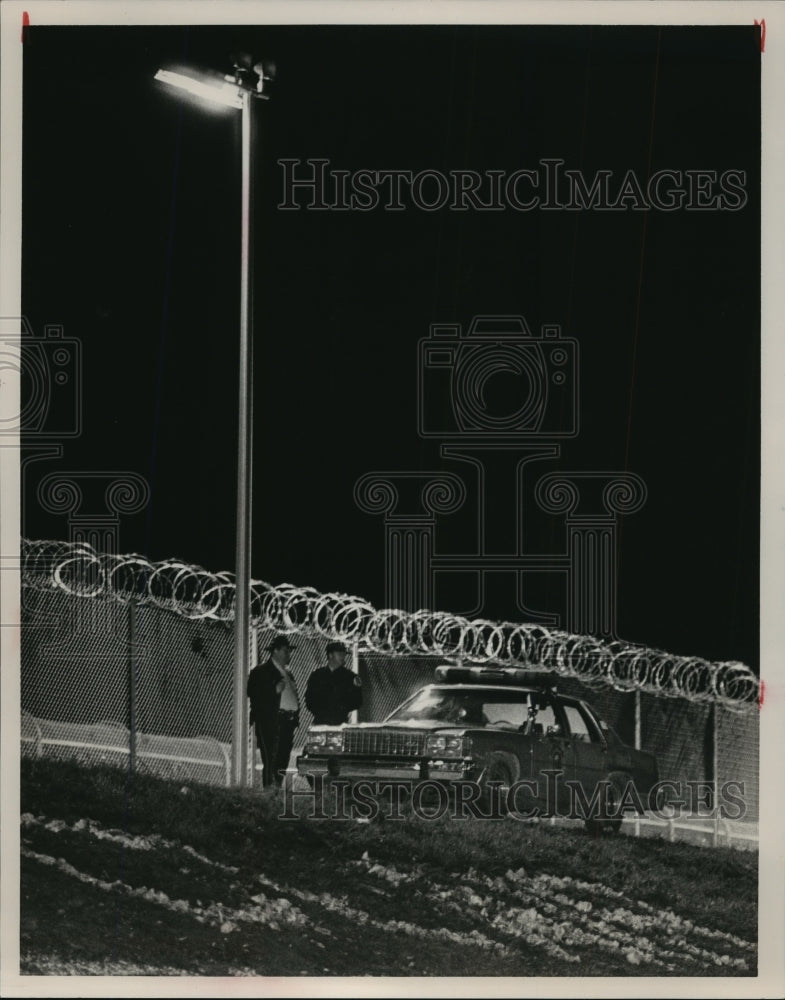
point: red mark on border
(762, 25)
(762, 694)
(25, 26)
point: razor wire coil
(198, 594)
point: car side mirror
(553, 730)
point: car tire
(608, 821)
(502, 770)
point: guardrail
(206, 760)
(195, 758)
(703, 831)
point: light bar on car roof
(496, 675)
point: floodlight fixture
(216, 91)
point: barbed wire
(198, 594)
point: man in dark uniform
(275, 709)
(333, 691)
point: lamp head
(266, 73)
(251, 75)
(206, 88)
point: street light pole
(237, 91)
(242, 605)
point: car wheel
(608, 819)
(501, 772)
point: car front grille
(384, 742)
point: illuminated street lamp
(237, 91)
(218, 92)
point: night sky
(131, 242)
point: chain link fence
(130, 661)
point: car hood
(423, 725)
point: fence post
(637, 720)
(714, 775)
(355, 670)
(637, 747)
(250, 731)
(133, 653)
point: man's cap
(281, 642)
(336, 647)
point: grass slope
(131, 872)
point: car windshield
(466, 707)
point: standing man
(333, 691)
(275, 709)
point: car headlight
(324, 740)
(445, 746)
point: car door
(550, 752)
(587, 749)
